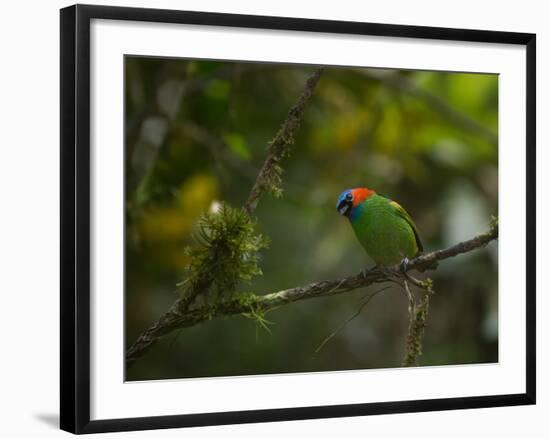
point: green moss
(225, 254)
(428, 284)
(247, 300)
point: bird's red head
(360, 194)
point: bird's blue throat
(356, 212)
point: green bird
(381, 225)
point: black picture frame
(75, 217)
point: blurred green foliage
(196, 136)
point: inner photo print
(294, 218)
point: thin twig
(353, 316)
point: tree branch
(174, 319)
(366, 278)
(269, 177)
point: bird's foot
(404, 265)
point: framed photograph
(274, 218)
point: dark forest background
(196, 135)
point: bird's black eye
(349, 197)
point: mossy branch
(418, 313)
(174, 319)
(269, 178)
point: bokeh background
(196, 134)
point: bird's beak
(344, 208)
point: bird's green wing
(403, 214)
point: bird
(384, 228)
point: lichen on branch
(418, 314)
(226, 253)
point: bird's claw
(404, 265)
